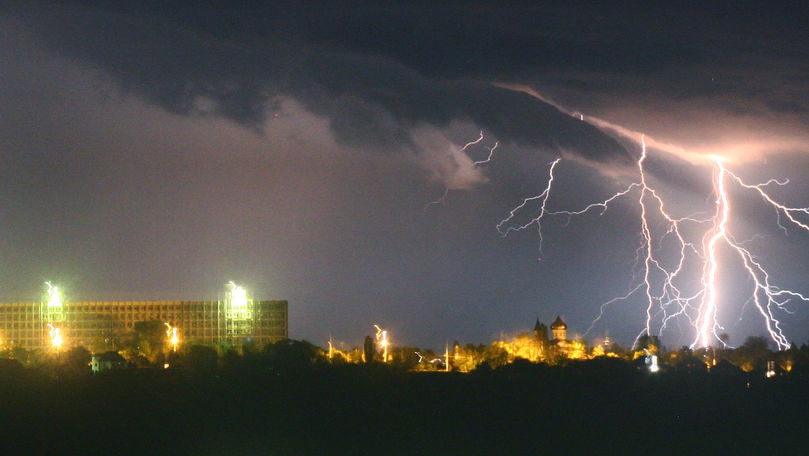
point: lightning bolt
(488, 159)
(543, 199)
(766, 296)
(491, 153)
(440, 200)
(422, 358)
(663, 281)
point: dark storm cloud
(237, 62)
(678, 49)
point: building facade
(96, 324)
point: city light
(171, 333)
(238, 296)
(54, 309)
(651, 361)
(54, 295)
(382, 338)
(56, 337)
(770, 369)
(238, 302)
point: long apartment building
(98, 325)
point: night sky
(159, 150)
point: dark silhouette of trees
(149, 340)
(77, 360)
(404, 357)
(293, 354)
(649, 343)
(541, 335)
(753, 354)
(369, 349)
(495, 356)
(200, 359)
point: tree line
(148, 347)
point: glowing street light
(53, 307)
(238, 309)
(238, 296)
(382, 337)
(651, 362)
(56, 337)
(171, 333)
(770, 369)
(54, 296)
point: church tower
(559, 329)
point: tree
(649, 343)
(404, 357)
(369, 349)
(753, 354)
(77, 359)
(495, 356)
(293, 354)
(20, 354)
(541, 335)
(150, 339)
(466, 359)
(112, 337)
(200, 359)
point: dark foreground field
(593, 408)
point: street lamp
(56, 337)
(171, 333)
(382, 337)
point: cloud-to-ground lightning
(766, 296)
(668, 291)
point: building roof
(538, 325)
(558, 323)
(110, 356)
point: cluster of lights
(239, 302)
